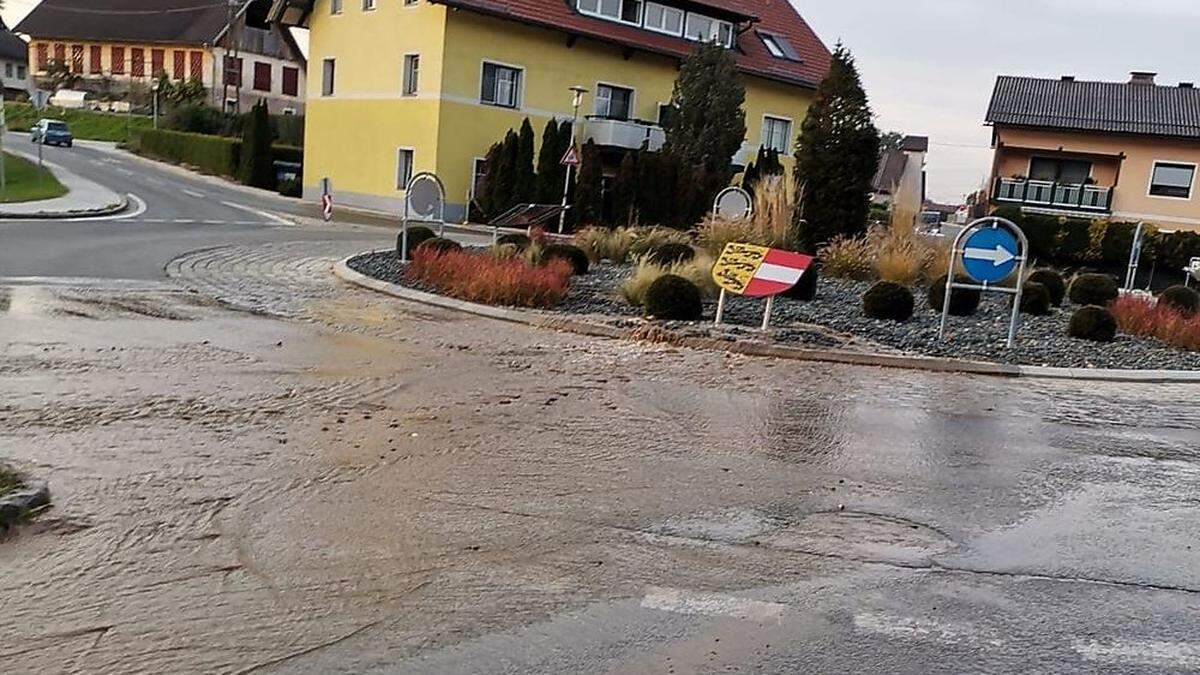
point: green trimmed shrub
(889, 301)
(1054, 283)
(1093, 289)
(1074, 240)
(806, 289)
(963, 301)
(417, 235)
(1182, 299)
(665, 255)
(569, 252)
(439, 244)
(673, 298)
(1036, 299)
(1042, 233)
(1093, 323)
(521, 241)
(214, 155)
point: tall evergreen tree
(589, 189)
(625, 190)
(524, 178)
(707, 125)
(255, 167)
(837, 155)
(485, 195)
(549, 171)
(499, 185)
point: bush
(1140, 316)
(1182, 299)
(210, 154)
(1035, 299)
(673, 298)
(889, 301)
(600, 243)
(963, 301)
(439, 244)
(1074, 240)
(1093, 289)
(1054, 283)
(417, 234)
(572, 254)
(848, 258)
(199, 119)
(521, 241)
(1093, 323)
(486, 279)
(671, 254)
(697, 271)
(256, 167)
(806, 289)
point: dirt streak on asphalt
(376, 481)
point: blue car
(51, 132)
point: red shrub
(1140, 316)
(492, 281)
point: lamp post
(577, 99)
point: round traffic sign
(991, 253)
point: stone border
(343, 271)
(109, 210)
(16, 505)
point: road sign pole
(990, 251)
(1135, 257)
(720, 308)
(766, 325)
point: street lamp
(577, 93)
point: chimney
(1068, 78)
(1142, 77)
(1187, 85)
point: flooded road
(335, 481)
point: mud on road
(338, 482)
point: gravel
(835, 319)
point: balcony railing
(1052, 195)
(630, 134)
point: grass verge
(85, 124)
(27, 183)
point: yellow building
(112, 46)
(403, 86)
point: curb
(899, 361)
(17, 505)
(108, 210)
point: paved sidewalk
(84, 197)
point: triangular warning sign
(571, 158)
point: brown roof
(198, 22)
(776, 17)
(1138, 107)
(890, 171)
(11, 46)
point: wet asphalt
(337, 482)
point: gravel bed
(835, 319)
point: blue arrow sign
(990, 254)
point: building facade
(14, 64)
(403, 86)
(112, 47)
(1113, 150)
(901, 175)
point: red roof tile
(773, 16)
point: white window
(772, 45)
(614, 103)
(335, 6)
(368, 5)
(664, 19)
(626, 11)
(404, 168)
(705, 29)
(776, 133)
(1172, 180)
(328, 70)
(412, 72)
(501, 86)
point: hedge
(217, 155)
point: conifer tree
(589, 189)
(549, 171)
(625, 190)
(837, 155)
(706, 127)
(256, 168)
(524, 178)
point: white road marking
(911, 628)
(183, 221)
(139, 207)
(127, 172)
(710, 604)
(153, 180)
(265, 214)
(194, 193)
(1141, 652)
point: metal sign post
(424, 198)
(1135, 257)
(988, 251)
(733, 203)
(757, 272)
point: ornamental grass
(1145, 318)
(491, 280)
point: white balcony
(1049, 194)
(624, 133)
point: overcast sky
(929, 65)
